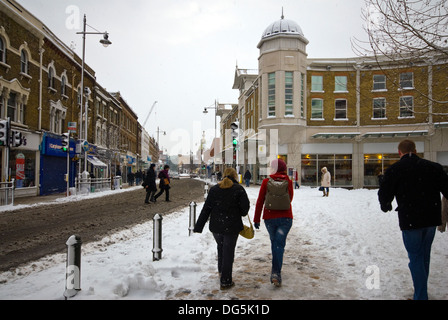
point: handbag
(248, 232)
(321, 189)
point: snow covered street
(340, 247)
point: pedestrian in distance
(325, 181)
(150, 184)
(247, 177)
(416, 184)
(226, 204)
(164, 183)
(296, 180)
(274, 199)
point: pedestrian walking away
(247, 177)
(164, 183)
(274, 200)
(150, 184)
(325, 181)
(416, 184)
(227, 202)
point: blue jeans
(278, 230)
(418, 244)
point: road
(31, 233)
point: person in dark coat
(247, 177)
(226, 204)
(416, 185)
(164, 183)
(150, 184)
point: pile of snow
(340, 247)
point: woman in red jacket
(278, 222)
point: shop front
(23, 165)
(54, 165)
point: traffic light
(234, 126)
(16, 138)
(65, 142)
(4, 132)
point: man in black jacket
(416, 184)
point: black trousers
(167, 193)
(150, 193)
(226, 244)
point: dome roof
(282, 26)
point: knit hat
(279, 165)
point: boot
(325, 194)
(328, 192)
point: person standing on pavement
(226, 204)
(416, 185)
(150, 184)
(247, 177)
(325, 181)
(278, 222)
(164, 183)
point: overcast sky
(183, 53)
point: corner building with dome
(346, 114)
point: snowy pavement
(341, 247)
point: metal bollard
(73, 269)
(192, 217)
(205, 191)
(157, 238)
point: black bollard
(73, 268)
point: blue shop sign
(52, 146)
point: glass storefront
(339, 165)
(22, 165)
(376, 164)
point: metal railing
(7, 193)
(95, 184)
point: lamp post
(105, 42)
(214, 141)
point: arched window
(51, 77)
(2, 51)
(23, 62)
(63, 84)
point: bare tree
(407, 32)
(405, 29)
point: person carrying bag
(274, 199)
(226, 204)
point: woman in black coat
(226, 203)
(150, 184)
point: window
(340, 83)
(340, 109)
(63, 86)
(406, 80)
(289, 93)
(24, 62)
(302, 95)
(317, 83)
(51, 77)
(12, 106)
(379, 108)
(379, 82)
(271, 95)
(406, 107)
(317, 109)
(2, 51)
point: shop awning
(394, 134)
(96, 162)
(334, 135)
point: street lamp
(105, 42)
(216, 109)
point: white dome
(282, 26)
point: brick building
(346, 114)
(40, 91)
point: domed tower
(282, 70)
